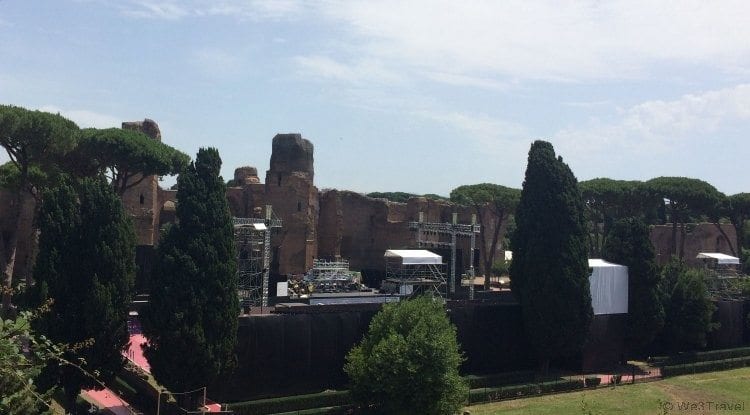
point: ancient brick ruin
(322, 224)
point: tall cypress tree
(191, 321)
(86, 266)
(549, 272)
(629, 244)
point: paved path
(135, 352)
(107, 400)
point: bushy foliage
(501, 203)
(687, 200)
(86, 267)
(688, 308)
(126, 157)
(629, 244)
(191, 321)
(707, 366)
(402, 197)
(501, 267)
(608, 200)
(18, 369)
(35, 142)
(549, 271)
(408, 361)
(291, 403)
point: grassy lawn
(731, 386)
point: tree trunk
(682, 241)
(726, 238)
(739, 229)
(543, 366)
(488, 256)
(673, 245)
(20, 204)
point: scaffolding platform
(412, 272)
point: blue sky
(417, 96)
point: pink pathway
(107, 400)
(135, 352)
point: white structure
(414, 256)
(721, 259)
(609, 287)
(414, 271)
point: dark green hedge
(592, 381)
(690, 368)
(499, 379)
(134, 388)
(693, 357)
(518, 391)
(291, 403)
(337, 410)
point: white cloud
(478, 126)
(361, 71)
(174, 10)
(472, 81)
(217, 63)
(85, 118)
(548, 40)
(488, 44)
(165, 10)
(676, 137)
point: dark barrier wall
(291, 353)
(302, 352)
(492, 338)
(145, 255)
(732, 320)
(605, 345)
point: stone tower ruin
(142, 200)
(290, 190)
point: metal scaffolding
(453, 230)
(252, 238)
(409, 278)
(332, 276)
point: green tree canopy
(688, 308)
(738, 211)
(608, 200)
(500, 202)
(629, 244)
(685, 199)
(402, 197)
(549, 272)
(191, 321)
(32, 140)
(408, 361)
(126, 157)
(86, 266)
(18, 369)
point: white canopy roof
(595, 263)
(415, 256)
(721, 258)
(259, 226)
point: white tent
(721, 259)
(609, 287)
(415, 256)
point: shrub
(500, 379)
(408, 361)
(690, 368)
(592, 381)
(519, 391)
(291, 403)
(694, 357)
